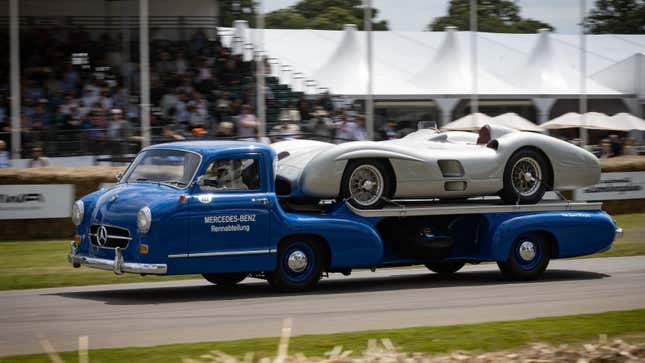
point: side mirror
(118, 176)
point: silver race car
(518, 166)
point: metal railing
(114, 22)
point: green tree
(231, 10)
(617, 17)
(322, 14)
(498, 16)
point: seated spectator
(320, 126)
(605, 150)
(37, 159)
(247, 124)
(630, 147)
(4, 155)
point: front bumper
(118, 265)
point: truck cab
(210, 208)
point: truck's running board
(396, 209)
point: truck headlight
(78, 211)
(144, 219)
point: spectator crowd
(81, 95)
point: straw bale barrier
(85, 180)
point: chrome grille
(107, 236)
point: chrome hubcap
(297, 261)
(527, 250)
(366, 185)
(526, 176)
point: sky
(415, 15)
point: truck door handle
(260, 200)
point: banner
(613, 186)
(31, 201)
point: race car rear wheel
(528, 258)
(445, 267)
(365, 183)
(524, 177)
(226, 279)
(299, 266)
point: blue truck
(211, 208)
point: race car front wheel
(365, 183)
(226, 279)
(524, 178)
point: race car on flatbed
(211, 208)
(518, 166)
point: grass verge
(483, 337)
(36, 264)
(633, 241)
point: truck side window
(231, 175)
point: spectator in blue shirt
(4, 155)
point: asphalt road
(189, 311)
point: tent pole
(583, 73)
(474, 106)
(369, 101)
(260, 72)
(15, 79)
(144, 59)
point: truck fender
(572, 233)
(351, 243)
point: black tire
(225, 279)
(532, 159)
(519, 268)
(288, 277)
(445, 268)
(373, 164)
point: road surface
(189, 311)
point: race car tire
(225, 279)
(365, 182)
(299, 266)
(524, 177)
(445, 268)
(528, 258)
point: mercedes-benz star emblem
(114, 197)
(101, 236)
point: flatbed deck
(411, 208)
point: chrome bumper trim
(118, 265)
(619, 233)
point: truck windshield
(172, 167)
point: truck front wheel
(299, 266)
(225, 280)
(528, 258)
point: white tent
(450, 72)
(420, 64)
(591, 120)
(515, 121)
(471, 122)
(626, 122)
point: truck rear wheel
(445, 268)
(299, 266)
(225, 280)
(528, 258)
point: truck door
(230, 209)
